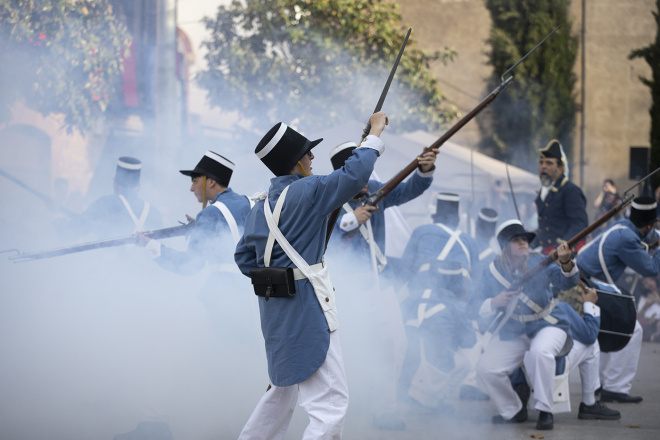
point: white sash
(454, 237)
(486, 252)
(539, 312)
(422, 313)
(601, 256)
(138, 222)
(229, 218)
(368, 237)
(318, 274)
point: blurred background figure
(122, 213)
(648, 309)
(607, 199)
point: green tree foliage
(319, 62)
(540, 105)
(60, 56)
(651, 54)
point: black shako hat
(446, 207)
(213, 166)
(340, 154)
(511, 229)
(128, 172)
(643, 211)
(552, 150)
(486, 221)
(282, 147)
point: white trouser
(502, 357)
(618, 369)
(324, 396)
(586, 357)
(472, 356)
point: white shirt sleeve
(153, 249)
(591, 309)
(486, 309)
(375, 143)
(348, 222)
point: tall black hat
(552, 151)
(282, 147)
(340, 154)
(446, 207)
(128, 172)
(643, 211)
(486, 222)
(510, 229)
(213, 166)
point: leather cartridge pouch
(273, 282)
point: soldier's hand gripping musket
(335, 214)
(174, 231)
(506, 81)
(553, 256)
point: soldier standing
(561, 204)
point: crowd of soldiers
(476, 326)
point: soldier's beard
(546, 180)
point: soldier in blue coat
(122, 213)
(357, 223)
(535, 331)
(440, 241)
(561, 205)
(218, 226)
(436, 327)
(624, 244)
(288, 230)
(211, 245)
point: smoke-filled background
(94, 343)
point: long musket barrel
(174, 231)
(573, 241)
(335, 214)
(377, 196)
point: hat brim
(530, 236)
(198, 172)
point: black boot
(545, 421)
(610, 396)
(520, 417)
(597, 411)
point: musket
(379, 105)
(50, 202)
(525, 277)
(174, 231)
(505, 82)
(513, 195)
(641, 180)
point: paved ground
(472, 419)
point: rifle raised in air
(379, 105)
(174, 231)
(379, 194)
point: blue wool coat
(402, 193)
(622, 247)
(210, 240)
(295, 330)
(426, 243)
(537, 288)
(562, 214)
